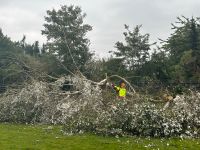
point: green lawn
(27, 137)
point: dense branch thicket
(87, 107)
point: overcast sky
(26, 17)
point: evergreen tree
(135, 50)
(66, 34)
(183, 47)
(36, 49)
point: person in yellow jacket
(121, 90)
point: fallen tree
(85, 107)
(43, 97)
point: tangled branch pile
(85, 108)
(142, 118)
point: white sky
(26, 17)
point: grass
(40, 137)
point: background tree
(135, 50)
(29, 49)
(12, 69)
(66, 34)
(183, 47)
(36, 49)
(157, 67)
(16, 65)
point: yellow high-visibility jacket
(122, 91)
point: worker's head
(122, 84)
